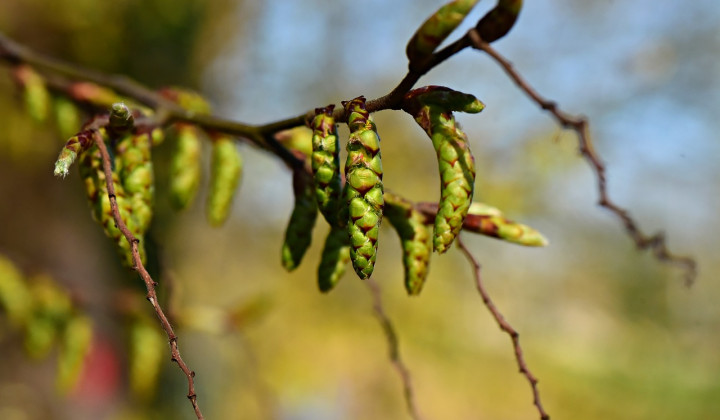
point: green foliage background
(609, 332)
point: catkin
(436, 28)
(334, 259)
(325, 164)
(93, 176)
(363, 187)
(489, 221)
(185, 170)
(415, 240)
(498, 21)
(226, 170)
(432, 109)
(298, 233)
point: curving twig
(507, 328)
(393, 348)
(145, 276)
(655, 243)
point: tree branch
(507, 328)
(145, 276)
(655, 243)
(393, 348)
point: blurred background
(609, 331)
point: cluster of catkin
(130, 145)
(352, 200)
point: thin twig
(507, 328)
(145, 276)
(394, 348)
(655, 243)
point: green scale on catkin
(415, 239)
(325, 164)
(226, 170)
(363, 188)
(298, 234)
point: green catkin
(226, 170)
(415, 240)
(185, 170)
(93, 176)
(431, 107)
(334, 259)
(363, 188)
(15, 297)
(74, 346)
(498, 21)
(94, 94)
(298, 233)
(489, 221)
(145, 357)
(67, 116)
(436, 28)
(35, 93)
(51, 308)
(325, 164)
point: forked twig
(507, 328)
(145, 276)
(655, 243)
(394, 348)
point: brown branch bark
(505, 327)
(394, 349)
(655, 243)
(145, 276)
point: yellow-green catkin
(334, 259)
(436, 28)
(35, 93)
(67, 116)
(489, 221)
(185, 168)
(93, 176)
(363, 188)
(498, 21)
(147, 351)
(226, 171)
(75, 343)
(298, 233)
(325, 163)
(432, 108)
(51, 308)
(15, 298)
(415, 240)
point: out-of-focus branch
(507, 328)
(655, 243)
(145, 276)
(393, 348)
